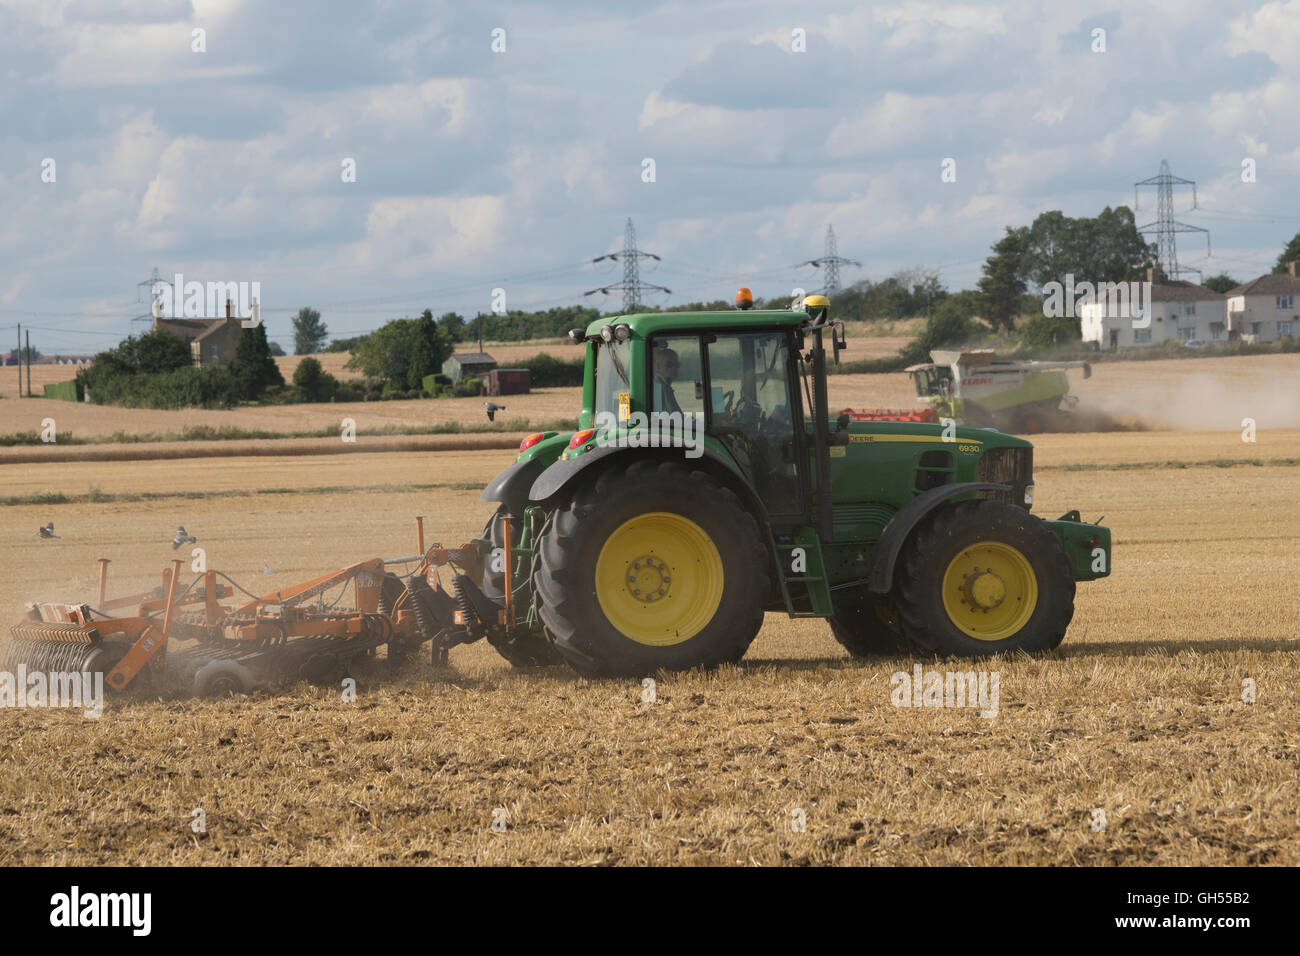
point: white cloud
(412, 235)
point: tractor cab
(734, 385)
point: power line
(1165, 226)
(1243, 215)
(830, 263)
(539, 275)
(632, 287)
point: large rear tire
(981, 578)
(651, 567)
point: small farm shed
(468, 365)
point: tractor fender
(904, 520)
(511, 484)
(563, 474)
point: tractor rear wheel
(649, 567)
(981, 578)
(864, 630)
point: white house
(1267, 308)
(1178, 310)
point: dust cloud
(1196, 402)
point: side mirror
(838, 341)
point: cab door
(752, 406)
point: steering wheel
(748, 412)
(727, 398)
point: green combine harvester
(976, 388)
(707, 484)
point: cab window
(750, 405)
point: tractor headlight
(622, 332)
(1029, 494)
(606, 334)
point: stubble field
(1140, 714)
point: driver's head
(666, 364)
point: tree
(309, 332)
(1002, 284)
(949, 327)
(430, 351)
(346, 345)
(9, 358)
(1044, 332)
(1290, 254)
(254, 368)
(156, 371)
(1107, 248)
(313, 381)
(155, 351)
(452, 326)
(1221, 283)
(277, 350)
(399, 349)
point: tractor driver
(666, 365)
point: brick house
(212, 341)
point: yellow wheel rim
(659, 579)
(990, 591)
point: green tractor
(707, 485)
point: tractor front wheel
(649, 567)
(981, 578)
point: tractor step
(803, 573)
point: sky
(130, 143)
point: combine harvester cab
(976, 388)
(644, 540)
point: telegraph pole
(830, 263)
(632, 287)
(18, 359)
(29, 364)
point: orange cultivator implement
(230, 647)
